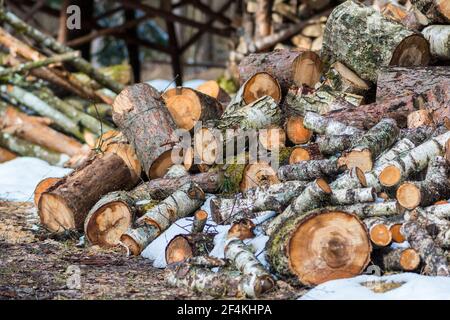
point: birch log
(185, 246)
(379, 232)
(327, 126)
(199, 222)
(398, 259)
(310, 170)
(352, 196)
(439, 38)
(437, 227)
(353, 178)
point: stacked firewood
(364, 153)
(47, 111)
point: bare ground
(34, 266)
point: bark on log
(373, 209)
(437, 227)
(353, 30)
(340, 78)
(310, 170)
(351, 196)
(415, 160)
(398, 259)
(212, 89)
(370, 145)
(306, 249)
(187, 106)
(258, 174)
(353, 178)
(185, 246)
(333, 144)
(304, 153)
(394, 82)
(6, 155)
(441, 211)
(242, 229)
(134, 241)
(199, 222)
(327, 126)
(434, 258)
(435, 10)
(289, 67)
(275, 197)
(245, 261)
(411, 18)
(379, 232)
(439, 38)
(66, 204)
(141, 115)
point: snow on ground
(410, 286)
(19, 177)
(162, 85)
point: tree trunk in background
(133, 49)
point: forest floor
(32, 267)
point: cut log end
(106, 225)
(55, 215)
(206, 146)
(357, 159)
(329, 246)
(409, 259)
(390, 176)
(350, 76)
(360, 176)
(43, 186)
(257, 175)
(242, 229)
(178, 249)
(396, 233)
(272, 138)
(307, 69)
(411, 51)
(380, 235)
(299, 154)
(408, 195)
(296, 131)
(161, 165)
(185, 110)
(259, 85)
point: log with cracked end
(315, 195)
(245, 261)
(42, 187)
(436, 186)
(185, 246)
(341, 78)
(199, 223)
(242, 229)
(257, 86)
(310, 170)
(326, 126)
(275, 198)
(371, 144)
(379, 232)
(415, 160)
(398, 259)
(434, 257)
(319, 246)
(258, 174)
(354, 195)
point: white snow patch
(414, 287)
(161, 84)
(19, 177)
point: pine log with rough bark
(434, 257)
(185, 246)
(141, 115)
(275, 197)
(289, 67)
(354, 30)
(370, 145)
(435, 10)
(66, 204)
(340, 78)
(319, 246)
(310, 170)
(439, 38)
(246, 262)
(398, 259)
(212, 89)
(328, 126)
(187, 106)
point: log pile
(347, 149)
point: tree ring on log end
(259, 85)
(161, 165)
(390, 176)
(296, 131)
(408, 195)
(327, 246)
(106, 225)
(411, 51)
(42, 187)
(299, 154)
(178, 249)
(444, 8)
(307, 69)
(55, 214)
(361, 159)
(380, 235)
(409, 259)
(396, 233)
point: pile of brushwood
(361, 136)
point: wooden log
(373, 209)
(296, 131)
(245, 261)
(258, 174)
(433, 256)
(187, 106)
(341, 78)
(310, 170)
(42, 187)
(134, 241)
(379, 232)
(20, 125)
(397, 170)
(319, 246)
(437, 227)
(263, 18)
(351, 196)
(242, 229)
(419, 118)
(411, 18)
(28, 149)
(66, 204)
(315, 195)
(353, 178)
(332, 144)
(394, 82)
(199, 222)
(370, 145)
(141, 115)
(439, 38)
(289, 67)
(323, 100)
(305, 153)
(327, 126)
(441, 211)
(353, 29)
(185, 246)
(398, 259)
(212, 89)
(275, 197)
(257, 86)
(436, 186)
(6, 155)
(435, 10)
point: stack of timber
(348, 149)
